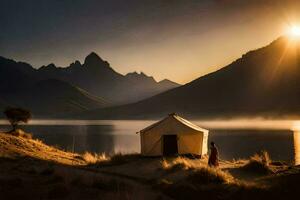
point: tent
(172, 136)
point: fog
(256, 123)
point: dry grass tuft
(178, 163)
(197, 174)
(259, 163)
(204, 181)
(207, 175)
(92, 158)
(21, 133)
(117, 159)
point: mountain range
(99, 78)
(264, 81)
(55, 91)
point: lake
(234, 138)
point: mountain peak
(143, 74)
(51, 66)
(75, 64)
(168, 83)
(93, 57)
(136, 74)
(284, 41)
(139, 76)
(94, 61)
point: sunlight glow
(294, 31)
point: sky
(176, 39)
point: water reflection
(82, 138)
(244, 143)
(234, 138)
(297, 147)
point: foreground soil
(30, 169)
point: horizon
(176, 41)
(288, 34)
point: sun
(294, 31)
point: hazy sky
(176, 39)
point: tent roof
(178, 119)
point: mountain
(52, 90)
(13, 73)
(97, 77)
(21, 85)
(265, 81)
(53, 98)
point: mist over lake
(236, 139)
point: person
(213, 160)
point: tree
(17, 115)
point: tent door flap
(170, 146)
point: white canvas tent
(173, 135)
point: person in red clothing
(213, 160)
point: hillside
(18, 147)
(15, 75)
(265, 81)
(20, 85)
(53, 97)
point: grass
(203, 181)
(21, 133)
(259, 163)
(179, 178)
(179, 163)
(92, 158)
(206, 175)
(197, 173)
(200, 180)
(15, 146)
(117, 159)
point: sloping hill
(53, 97)
(15, 75)
(16, 147)
(21, 85)
(263, 81)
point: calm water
(235, 139)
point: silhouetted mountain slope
(266, 80)
(96, 76)
(167, 84)
(15, 75)
(53, 97)
(21, 84)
